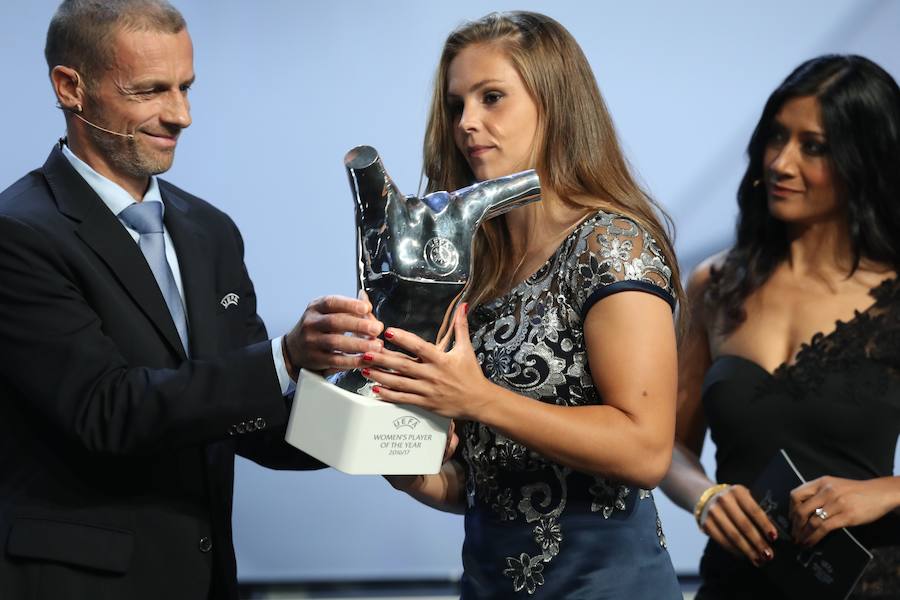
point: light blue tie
(147, 219)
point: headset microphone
(77, 109)
(128, 136)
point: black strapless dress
(836, 410)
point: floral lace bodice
(531, 341)
(871, 337)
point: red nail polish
(466, 307)
(368, 357)
(389, 334)
(376, 389)
(366, 372)
(773, 535)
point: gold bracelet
(705, 497)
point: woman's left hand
(447, 383)
(828, 503)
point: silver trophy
(414, 257)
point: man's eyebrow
(154, 83)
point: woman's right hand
(408, 483)
(737, 523)
(452, 442)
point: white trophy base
(360, 435)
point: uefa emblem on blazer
(230, 299)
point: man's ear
(67, 84)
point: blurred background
(285, 87)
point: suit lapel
(196, 254)
(195, 259)
(106, 236)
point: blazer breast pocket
(76, 544)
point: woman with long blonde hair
(565, 387)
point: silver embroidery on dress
(531, 341)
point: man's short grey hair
(81, 32)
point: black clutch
(827, 571)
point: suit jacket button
(260, 423)
(205, 544)
(241, 428)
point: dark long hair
(860, 106)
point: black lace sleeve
(614, 254)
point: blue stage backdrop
(285, 88)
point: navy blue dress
(535, 528)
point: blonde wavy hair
(577, 153)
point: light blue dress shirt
(117, 199)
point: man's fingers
(362, 296)
(335, 342)
(330, 362)
(330, 352)
(341, 304)
(344, 323)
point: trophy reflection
(414, 257)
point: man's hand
(320, 340)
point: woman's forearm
(600, 439)
(686, 480)
(444, 491)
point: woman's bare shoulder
(701, 275)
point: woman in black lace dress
(565, 389)
(795, 337)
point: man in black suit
(133, 364)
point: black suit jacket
(116, 451)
